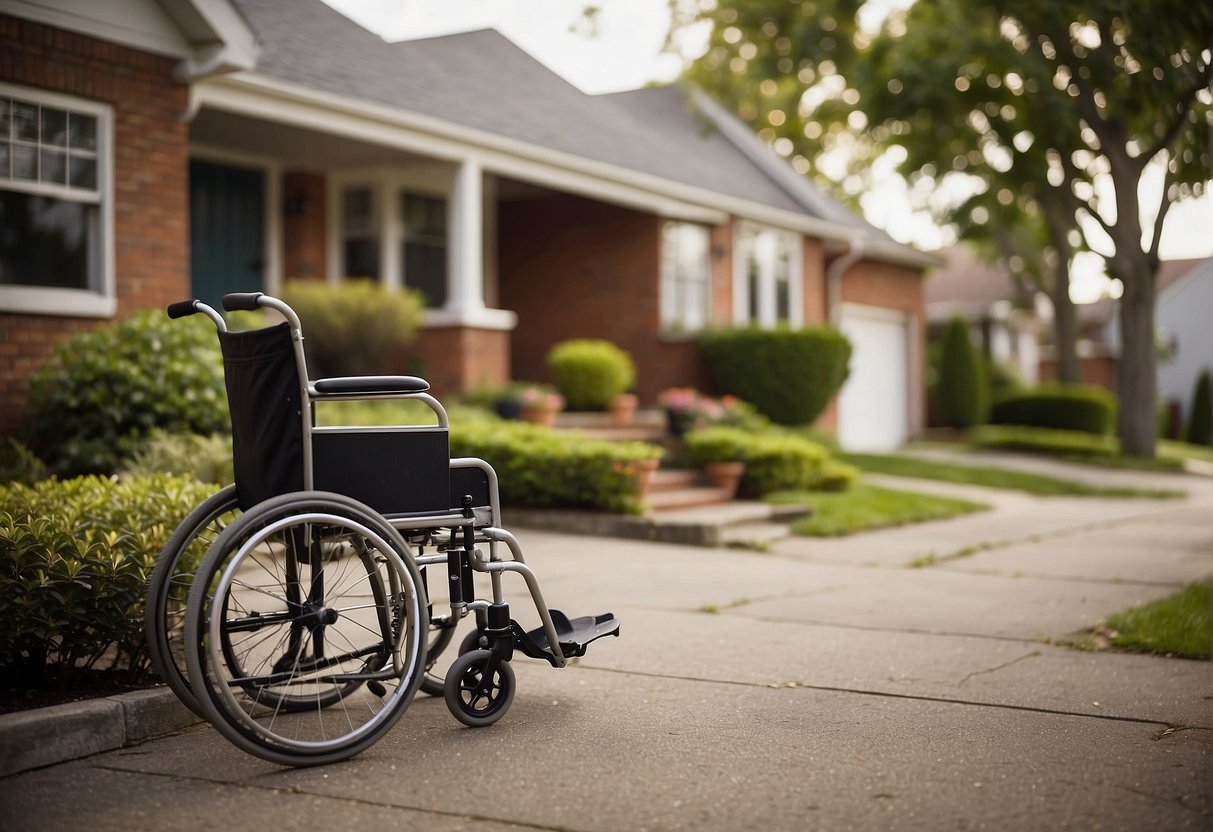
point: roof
(482, 80)
(968, 285)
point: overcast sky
(625, 52)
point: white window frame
(766, 239)
(100, 299)
(673, 316)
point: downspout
(856, 249)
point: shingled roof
(482, 80)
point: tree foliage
(1053, 111)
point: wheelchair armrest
(369, 385)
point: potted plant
(687, 409)
(623, 409)
(591, 373)
(540, 404)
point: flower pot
(725, 475)
(623, 409)
(540, 414)
(646, 469)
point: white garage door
(873, 408)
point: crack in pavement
(1002, 666)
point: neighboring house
(196, 147)
(1005, 316)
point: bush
(591, 373)
(75, 557)
(789, 375)
(1200, 422)
(18, 463)
(355, 327)
(538, 467)
(961, 391)
(1045, 440)
(1076, 407)
(103, 391)
(774, 462)
(205, 458)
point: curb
(46, 736)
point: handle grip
(242, 301)
(182, 308)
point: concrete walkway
(822, 685)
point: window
(359, 235)
(770, 291)
(685, 277)
(423, 246)
(54, 218)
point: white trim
(256, 96)
(482, 318)
(99, 301)
(271, 171)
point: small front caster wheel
(474, 700)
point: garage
(874, 407)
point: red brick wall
(304, 255)
(462, 358)
(813, 256)
(574, 268)
(151, 176)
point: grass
(865, 507)
(1037, 484)
(1177, 625)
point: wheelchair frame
(476, 521)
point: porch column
(465, 219)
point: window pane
(82, 132)
(425, 269)
(25, 121)
(362, 258)
(5, 118)
(25, 162)
(358, 210)
(6, 155)
(46, 242)
(54, 167)
(83, 172)
(54, 127)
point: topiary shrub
(539, 467)
(75, 557)
(774, 462)
(961, 389)
(355, 327)
(102, 392)
(205, 458)
(1076, 407)
(591, 373)
(788, 374)
(1200, 422)
(18, 463)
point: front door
(227, 230)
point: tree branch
(1185, 106)
(1164, 206)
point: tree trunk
(1137, 372)
(1065, 325)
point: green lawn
(906, 466)
(1178, 625)
(865, 507)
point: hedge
(1200, 421)
(539, 467)
(961, 390)
(774, 462)
(788, 374)
(1077, 407)
(75, 557)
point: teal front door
(227, 231)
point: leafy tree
(1056, 111)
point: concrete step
(673, 479)
(679, 498)
(756, 536)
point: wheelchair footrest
(574, 636)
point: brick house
(223, 145)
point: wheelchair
(292, 609)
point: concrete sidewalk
(824, 685)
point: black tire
(469, 702)
(306, 629)
(168, 588)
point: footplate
(575, 636)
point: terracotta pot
(623, 409)
(725, 475)
(540, 414)
(646, 469)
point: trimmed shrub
(539, 467)
(75, 557)
(961, 390)
(590, 373)
(1076, 407)
(1044, 440)
(1200, 422)
(774, 462)
(102, 392)
(355, 327)
(18, 463)
(205, 458)
(788, 374)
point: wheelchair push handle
(185, 308)
(242, 301)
